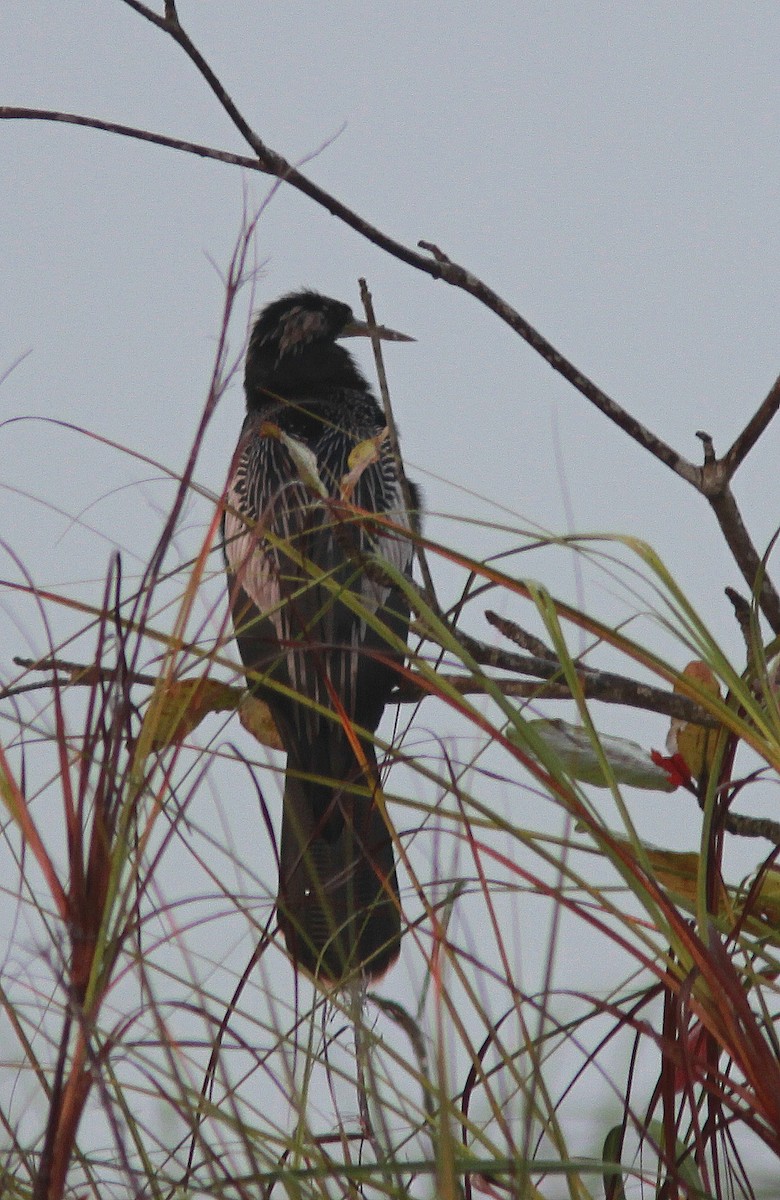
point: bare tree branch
(714, 486)
(744, 443)
(745, 554)
(438, 267)
(12, 113)
(744, 826)
(597, 685)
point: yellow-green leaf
(694, 743)
(678, 872)
(255, 716)
(361, 456)
(179, 706)
(767, 902)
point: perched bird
(309, 619)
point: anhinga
(319, 631)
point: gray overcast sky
(610, 168)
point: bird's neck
(304, 378)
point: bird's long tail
(338, 902)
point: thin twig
(746, 440)
(14, 113)
(86, 674)
(406, 491)
(743, 615)
(521, 637)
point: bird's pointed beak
(356, 328)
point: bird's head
(293, 348)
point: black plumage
(300, 592)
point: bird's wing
(377, 489)
(268, 511)
(266, 507)
(294, 557)
(363, 670)
(277, 542)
